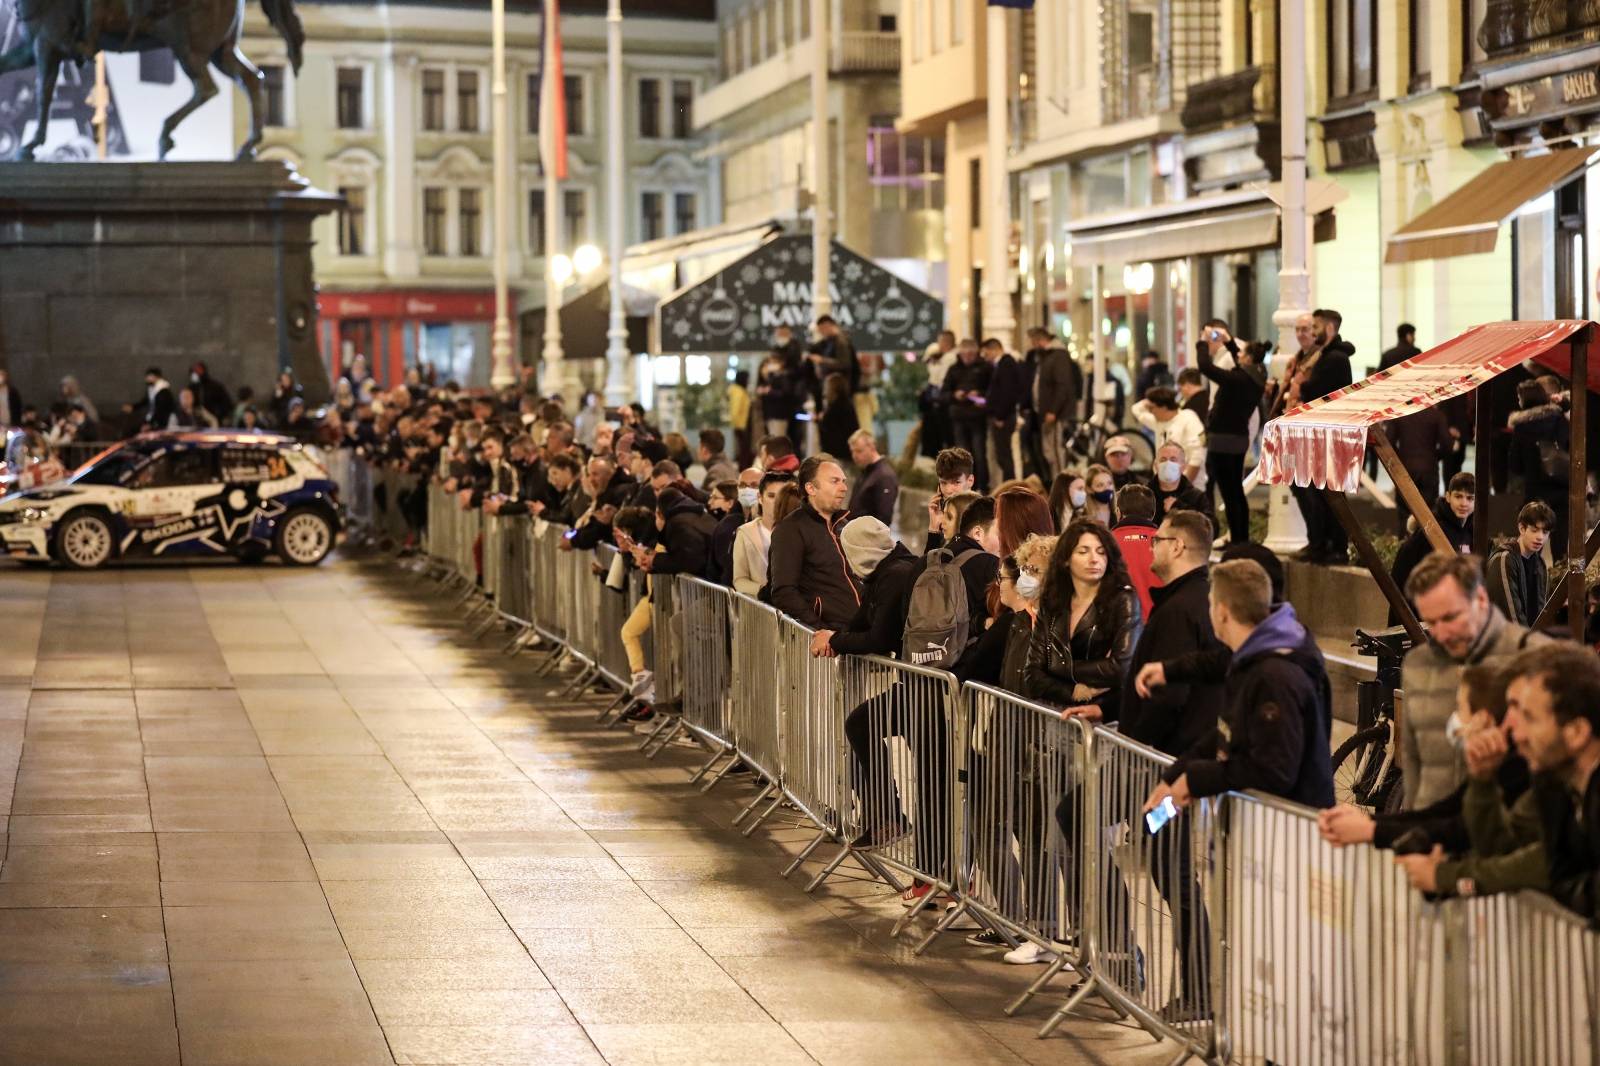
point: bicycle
(1366, 771)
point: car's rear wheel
(84, 541)
(304, 537)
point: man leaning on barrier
(1550, 837)
(1463, 627)
(811, 580)
(1274, 731)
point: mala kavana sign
(737, 308)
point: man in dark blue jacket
(1007, 392)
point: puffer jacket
(1095, 654)
(1430, 766)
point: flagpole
(998, 319)
(501, 372)
(617, 355)
(551, 129)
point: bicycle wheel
(1357, 763)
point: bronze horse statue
(201, 33)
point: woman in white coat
(754, 539)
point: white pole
(101, 99)
(821, 217)
(501, 371)
(1285, 527)
(618, 388)
(998, 320)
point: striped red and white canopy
(1322, 443)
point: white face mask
(1455, 732)
(1169, 470)
(1028, 586)
(748, 497)
(1077, 497)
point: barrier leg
(827, 871)
(661, 736)
(707, 765)
(733, 760)
(751, 828)
(1038, 985)
(805, 853)
(766, 790)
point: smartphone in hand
(1164, 813)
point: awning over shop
(1322, 443)
(1468, 220)
(1204, 225)
(665, 266)
(737, 308)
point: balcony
(852, 53)
(1249, 95)
(1512, 28)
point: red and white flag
(552, 96)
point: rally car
(180, 494)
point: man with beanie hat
(885, 568)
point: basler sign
(736, 309)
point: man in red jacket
(1134, 511)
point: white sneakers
(1027, 954)
(644, 686)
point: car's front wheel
(304, 537)
(84, 540)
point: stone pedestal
(107, 268)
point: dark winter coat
(1332, 370)
(1516, 585)
(1418, 547)
(971, 379)
(1238, 397)
(1096, 653)
(879, 625)
(806, 570)
(719, 568)
(876, 492)
(1008, 385)
(1185, 497)
(1274, 730)
(1060, 384)
(1422, 441)
(1179, 714)
(685, 540)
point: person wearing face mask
(724, 507)
(754, 540)
(1101, 490)
(1068, 493)
(1168, 422)
(1173, 490)
(212, 394)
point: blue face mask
(1169, 471)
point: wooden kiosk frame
(1321, 444)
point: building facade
(391, 109)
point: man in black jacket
(976, 534)
(1058, 385)
(1516, 574)
(1002, 400)
(1454, 513)
(806, 568)
(1327, 542)
(966, 385)
(878, 488)
(1238, 398)
(1405, 348)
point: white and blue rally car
(180, 494)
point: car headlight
(32, 514)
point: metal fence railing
(1233, 930)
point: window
(651, 226)
(272, 93)
(353, 220)
(906, 173)
(433, 99)
(682, 109)
(533, 103)
(649, 108)
(1473, 12)
(350, 105)
(575, 213)
(192, 466)
(467, 101)
(433, 222)
(886, 23)
(1420, 76)
(685, 212)
(574, 88)
(536, 222)
(975, 192)
(1353, 48)
(469, 215)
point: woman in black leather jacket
(1089, 621)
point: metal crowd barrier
(1234, 930)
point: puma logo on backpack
(938, 629)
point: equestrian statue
(201, 33)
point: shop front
(445, 333)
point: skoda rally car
(180, 494)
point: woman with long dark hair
(1019, 514)
(1089, 620)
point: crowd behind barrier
(1236, 931)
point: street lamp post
(618, 389)
(821, 217)
(501, 372)
(1285, 527)
(998, 319)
